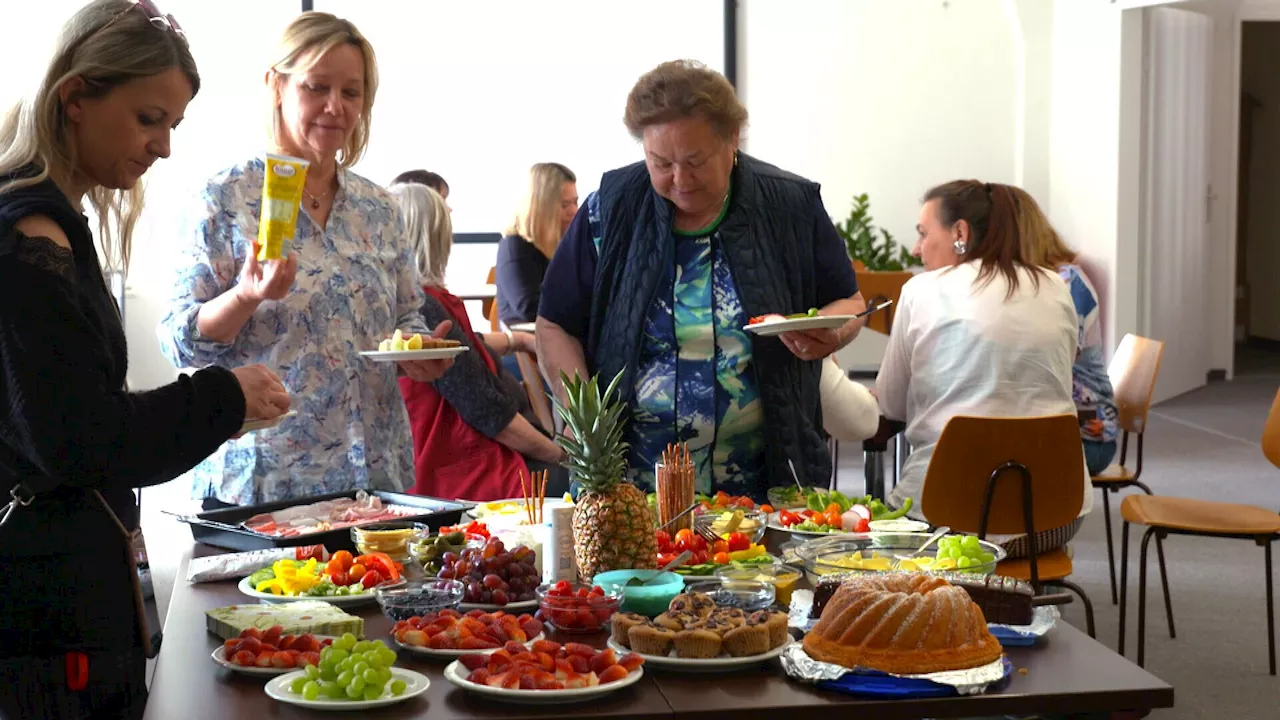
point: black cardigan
(520, 269)
(67, 417)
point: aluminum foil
(243, 564)
(1042, 621)
(799, 666)
(798, 613)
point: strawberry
(230, 647)
(306, 643)
(479, 676)
(286, 642)
(546, 661)
(563, 669)
(603, 660)
(251, 644)
(267, 647)
(612, 674)
(499, 660)
(592, 679)
(575, 681)
(528, 683)
(410, 637)
(475, 614)
(244, 658)
(264, 659)
(441, 641)
(547, 681)
(415, 619)
(631, 661)
(532, 628)
(525, 656)
(574, 648)
(449, 612)
(580, 664)
(474, 661)
(477, 643)
(272, 635)
(284, 659)
(254, 633)
(546, 646)
(524, 618)
(308, 658)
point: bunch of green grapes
(965, 550)
(350, 670)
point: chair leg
(1142, 596)
(1111, 551)
(1271, 612)
(1124, 581)
(1164, 582)
(1088, 605)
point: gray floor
(1204, 445)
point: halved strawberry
(531, 627)
(244, 658)
(528, 683)
(442, 641)
(409, 637)
(574, 648)
(575, 681)
(547, 681)
(563, 669)
(514, 648)
(287, 641)
(580, 663)
(631, 661)
(285, 659)
(475, 614)
(308, 658)
(546, 661)
(479, 676)
(264, 659)
(449, 612)
(478, 643)
(602, 660)
(612, 674)
(473, 661)
(499, 660)
(254, 633)
(272, 635)
(546, 646)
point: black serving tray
(219, 527)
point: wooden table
(1067, 673)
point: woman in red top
(473, 430)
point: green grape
(345, 678)
(987, 558)
(330, 675)
(357, 684)
(345, 664)
(372, 693)
(360, 667)
(388, 657)
(333, 690)
(362, 646)
(312, 672)
(354, 694)
(385, 674)
(311, 691)
(372, 677)
(397, 687)
(348, 641)
(337, 654)
(970, 542)
(295, 687)
(963, 563)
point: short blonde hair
(106, 44)
(538, 217)
(428, 230)
(304, 42)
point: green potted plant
(882, 265)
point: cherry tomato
(356, 572)
(864, 525)
(721, 558)
(683, 535)
(340, 578)
(788, 518)
(664, 558)
(832, 508)
(371, 578)
(766, 508)
(720, 546)
(738, 541)
(699, 543)
(743, 502)
(699, 558)
(662, 537)
(343, 558)
(833, 518)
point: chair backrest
(537, 393)
(971, 448)
(490, 307)
(1133, 373)
(1271, 433)
(878, 287)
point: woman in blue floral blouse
(348, 284)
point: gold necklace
(315, 201)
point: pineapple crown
(597, 455)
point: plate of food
(581, 673)
(255, 425)
(448, 633)
(415, 347)
(362, 596)
(351, 675)
(270, 652)
(694, 636)
(775, 324)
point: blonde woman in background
(546, 209)
(348, 284)
(474, 433)
(73, 638)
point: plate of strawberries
(546, 673)
(269, 652)
(449, 633)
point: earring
(960, 247)
(735, 158)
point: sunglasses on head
(153, 14)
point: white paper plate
(720, 664)
(254, 425)
(400, 355)
(822, 322)
(338, 600)
(220, 657)
(515, 608)
(432, 652)
(455, 673)
(415, 685)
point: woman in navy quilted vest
(661, 270)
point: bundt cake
(902, 623)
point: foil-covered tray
(972, 681)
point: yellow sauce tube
(282, 183)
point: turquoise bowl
(650, 600)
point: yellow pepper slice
(752, 552)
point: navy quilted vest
(767, 237)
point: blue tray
(1011, 638)
(869, 683)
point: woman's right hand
(266, 281)
(265, 397)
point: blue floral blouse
(355, 285)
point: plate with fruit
(344, 580)
(494, 578)
(577, 609)
(448, 633)
(553, 674)
(829, 513)
(351, 675)
(269, 652)
(415, 347)
(776, 324)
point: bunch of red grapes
(493, 575)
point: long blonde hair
(538, 217)
(107, 44)
(428, 229)
(304, 42)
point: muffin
(622, 624)
(700, 604)
(717, 624)
(749, 639)
(677, 620)
(779, 634)
(700, 643)
(733, 617)
(650, 639)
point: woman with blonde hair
(73, 638)
(547, 207)
(474, 433)
(348, 283)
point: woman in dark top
(525, 251)
(473, 431)
(73, 441)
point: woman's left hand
(429, 370)
(811, 344)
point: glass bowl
(787, 497)
(747, 595)
(753, 523)
(396, 539)
(416, 598)
(880, 552)
(781, 576)
(649, 600)
(580, 610)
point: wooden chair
(1164, 516)
(1133, 373)
(537, 394)
(876, 287)
(963, 488)
(489, 307)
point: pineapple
(612, 523)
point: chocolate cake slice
(1004, 600)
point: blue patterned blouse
(355, 285)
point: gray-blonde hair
(107, 44)
(428, 229)
(304, 42)
(538, 215)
